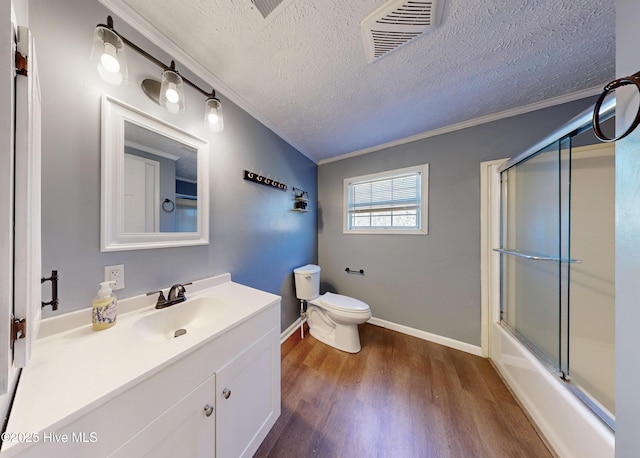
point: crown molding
(140, 24)
(473, 122)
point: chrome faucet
(176, 295)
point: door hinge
(18, 329)
(21, 64)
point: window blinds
(387, 202)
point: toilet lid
(344, 303)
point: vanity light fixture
(109, 56)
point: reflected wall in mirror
(154, 182)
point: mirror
(155, 187)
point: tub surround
(75, 370)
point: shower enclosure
(557, 260)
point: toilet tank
(307, 282)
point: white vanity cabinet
(209, 392)
(248, 398)
(242, 399)
(169, 402)
(186, 429)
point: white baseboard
(289, 331)
(446, 341)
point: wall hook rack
(266, 181)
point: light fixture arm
(158, 62)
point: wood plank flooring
(399, 397)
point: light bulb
(213, 117)
(108, 58)
(172, 93)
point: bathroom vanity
(141, 388)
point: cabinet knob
(208, 410)
(226, 393)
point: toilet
(332, 318)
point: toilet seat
(340, 303)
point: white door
(141, 194)
(27, 265)
(20, 261)
(8, 32)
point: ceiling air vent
(396, 23)
(266, 7)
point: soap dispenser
(104, 307)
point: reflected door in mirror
(141, 191)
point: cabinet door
(186, 430)
(248, 397)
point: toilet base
(343, 337)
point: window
(393, 202)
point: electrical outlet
(115, 274)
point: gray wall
(430, 283)
(254, 234)
(627, 245)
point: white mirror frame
(112, 237)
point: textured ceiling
(304, 73)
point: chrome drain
(179, 332)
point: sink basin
(180, 319)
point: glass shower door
(535, 247)
(557, 264)
(592, 287)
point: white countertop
(74, 369)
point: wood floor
(399, 397)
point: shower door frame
(568, 425)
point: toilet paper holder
(351, 271)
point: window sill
(385, 231)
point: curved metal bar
(624, 81)
(533, 257)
